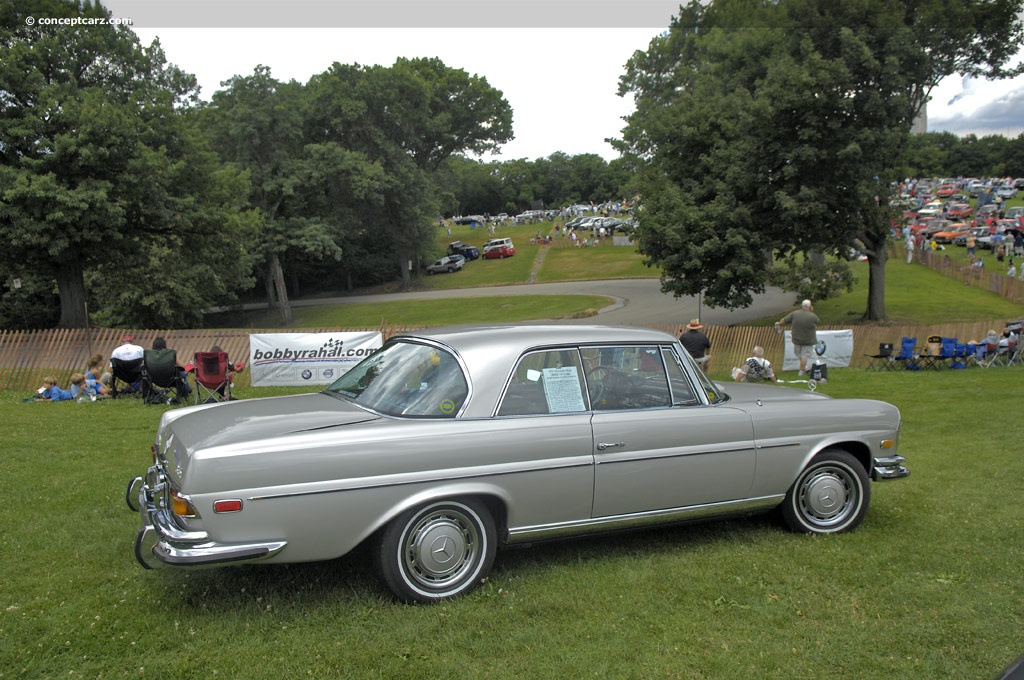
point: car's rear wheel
(437, 551)
(830, 496)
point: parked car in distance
(498, 249)
(985, 212)
(448, 263)
(958, 210)
(961, 238)
(530, 217)
(932, 209)
(445, 445)
(609, 224)
(996, 234)
(1007, 192)
(951, 232)
(467, 251)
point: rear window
(406, 379)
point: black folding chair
(883, 361)
(160, 375)
(128, 372)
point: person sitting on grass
(755, 369)
(94, 376)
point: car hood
(741, 393)
(258, 420)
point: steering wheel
(596, 381)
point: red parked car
(499, 249)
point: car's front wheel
(830, 496)
(437, 551)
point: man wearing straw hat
(696, 343)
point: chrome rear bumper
(160, 542)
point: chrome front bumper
(889, 467)
(160, 542)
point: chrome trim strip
(435, 476)
(759, 446)
(612, 457)
(639, 519)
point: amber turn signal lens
(180, 505)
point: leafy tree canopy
(101, 171)
(774, 129)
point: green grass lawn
(413, 313)
(916, 295)
(930, 586)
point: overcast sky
(557, 62)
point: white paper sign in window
(562, 390)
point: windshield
(406, 379)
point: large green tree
(409, 118)
(775, 129)
(303, 192)
(101, 171)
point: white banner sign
(307, 358)
(836, 346)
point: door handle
(601, 446)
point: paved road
(638, 302)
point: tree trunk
(877, 256)
(281, 292)
(71, 288)
(268, 285)
(404, 258)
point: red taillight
(229, 505)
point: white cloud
(561, 82)
(977, 106)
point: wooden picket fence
(993, 279)
(27, 356)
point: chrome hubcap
(441, 547)
(826, 496)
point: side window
(549, 381)
(682, 390)
(625, 377)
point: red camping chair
(213, 379)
